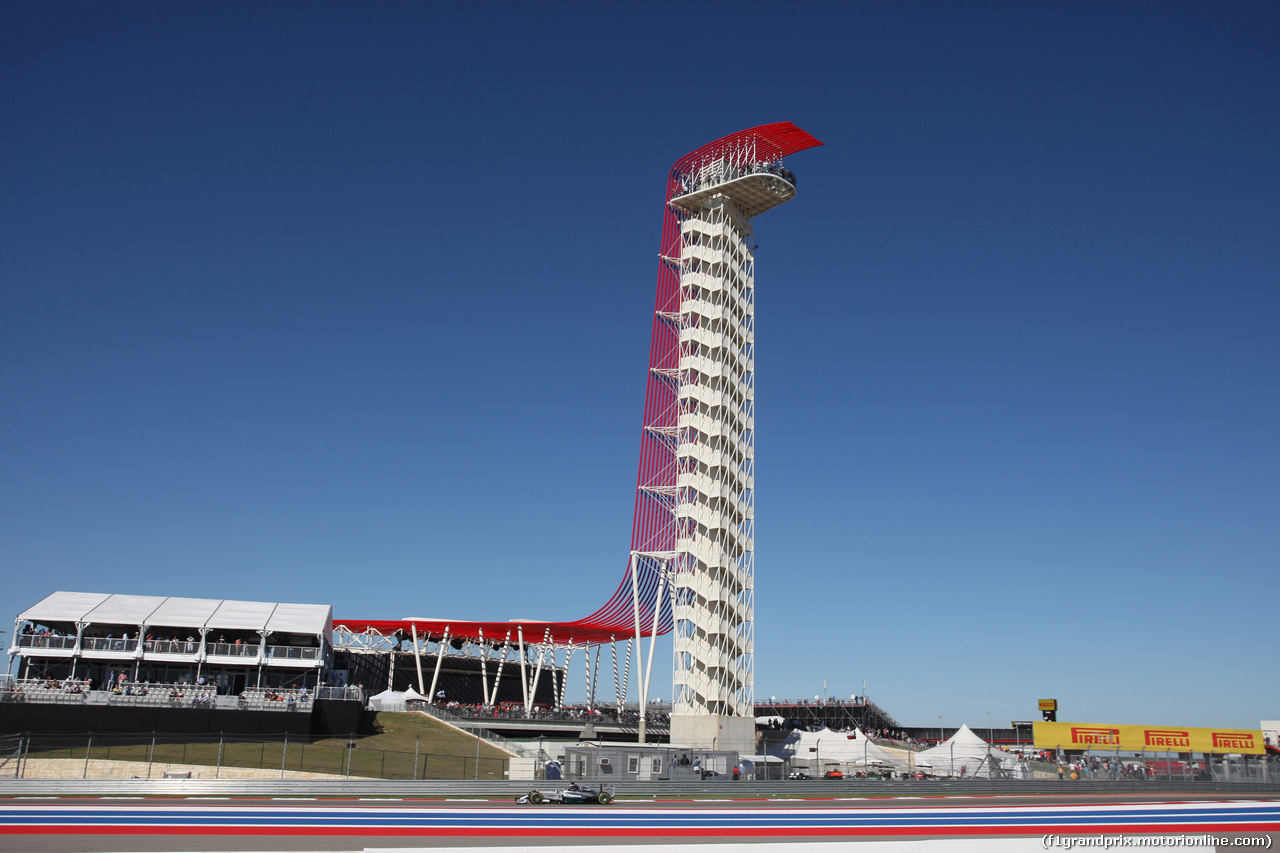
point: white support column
(653, 642)
(564, 673)
(626, 679)
(537, 673)
(435, 676)
(635, 605)
(417, 657)
(485, 651)
(502, 661)
(617, 675)
(524, 679)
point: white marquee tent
(387, 700)
(851, 750)
(966, 750)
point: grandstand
(131, 639)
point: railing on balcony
(108, 644)
(309, 653)
(45, 641)
(172, 647)
(235, 650)
(723, 171)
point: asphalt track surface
(58, 825)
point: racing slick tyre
(604, 798)
(535, 797)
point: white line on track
(961, 845)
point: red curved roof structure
(653, 528)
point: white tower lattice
(712, 569)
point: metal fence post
(217, 769)
(87, 748)
(416, 738)
(284, 754)
(477, 758)
(151, 754)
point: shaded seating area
(115, 642)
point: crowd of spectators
(568, 713)
(728, 171)
(40, 636)
(277, 698)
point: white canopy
(87, 608)
(963, 749)
(851, 748)
(387, 700)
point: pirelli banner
(1146, 738)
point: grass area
(395, 746)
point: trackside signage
(1146, 738)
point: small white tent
(387, 700)
(964, 753)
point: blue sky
(351, 303)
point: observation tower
(691, 568)
(696, 493)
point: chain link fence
(90, 756)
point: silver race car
(572, 794)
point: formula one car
(572, 794)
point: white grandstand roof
(91, 607)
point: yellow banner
(1147, 738)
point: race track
(221, 824)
